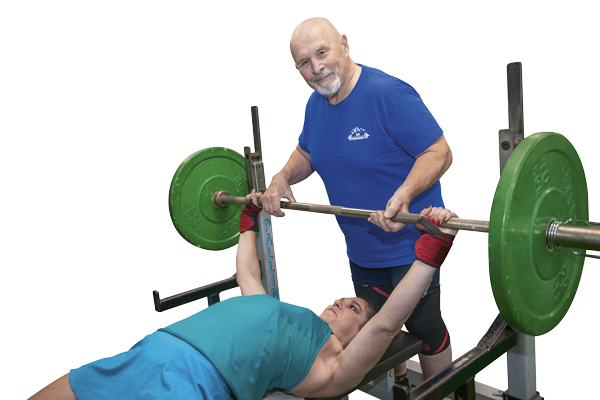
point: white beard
(327, 89)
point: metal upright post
(521, 358)
(521, 369)
(264, 240)
(511, 137)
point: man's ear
(344, 43)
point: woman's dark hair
(371, 310)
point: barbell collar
(557, 234)
(218, 198)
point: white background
(101, 101)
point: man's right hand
(277, 190)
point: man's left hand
(397, 203)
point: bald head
(313, 29)
(322, 56)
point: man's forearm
(297, 168)
(428, 168)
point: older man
(375, 145)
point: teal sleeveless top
(256, 342)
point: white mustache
(321, 76)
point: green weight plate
(543, 180)
(193, 211)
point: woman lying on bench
(243, 346)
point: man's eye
(303, 64)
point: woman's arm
(365, 350)
(246, 263)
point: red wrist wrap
(433, 245)
(248, 219)
(432, 250)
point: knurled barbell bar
(558, 234)
(541, 196)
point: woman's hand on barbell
(254, 196)
(437, 215)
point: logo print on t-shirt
(358, 133)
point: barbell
(539, 214)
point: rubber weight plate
(543, 180)
(193, 212)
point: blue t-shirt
(363, 148)
(256, 342)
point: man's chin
(327, 91)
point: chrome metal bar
(580, 237)
(569, 236)
(405, 218)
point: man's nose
(316, 66)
